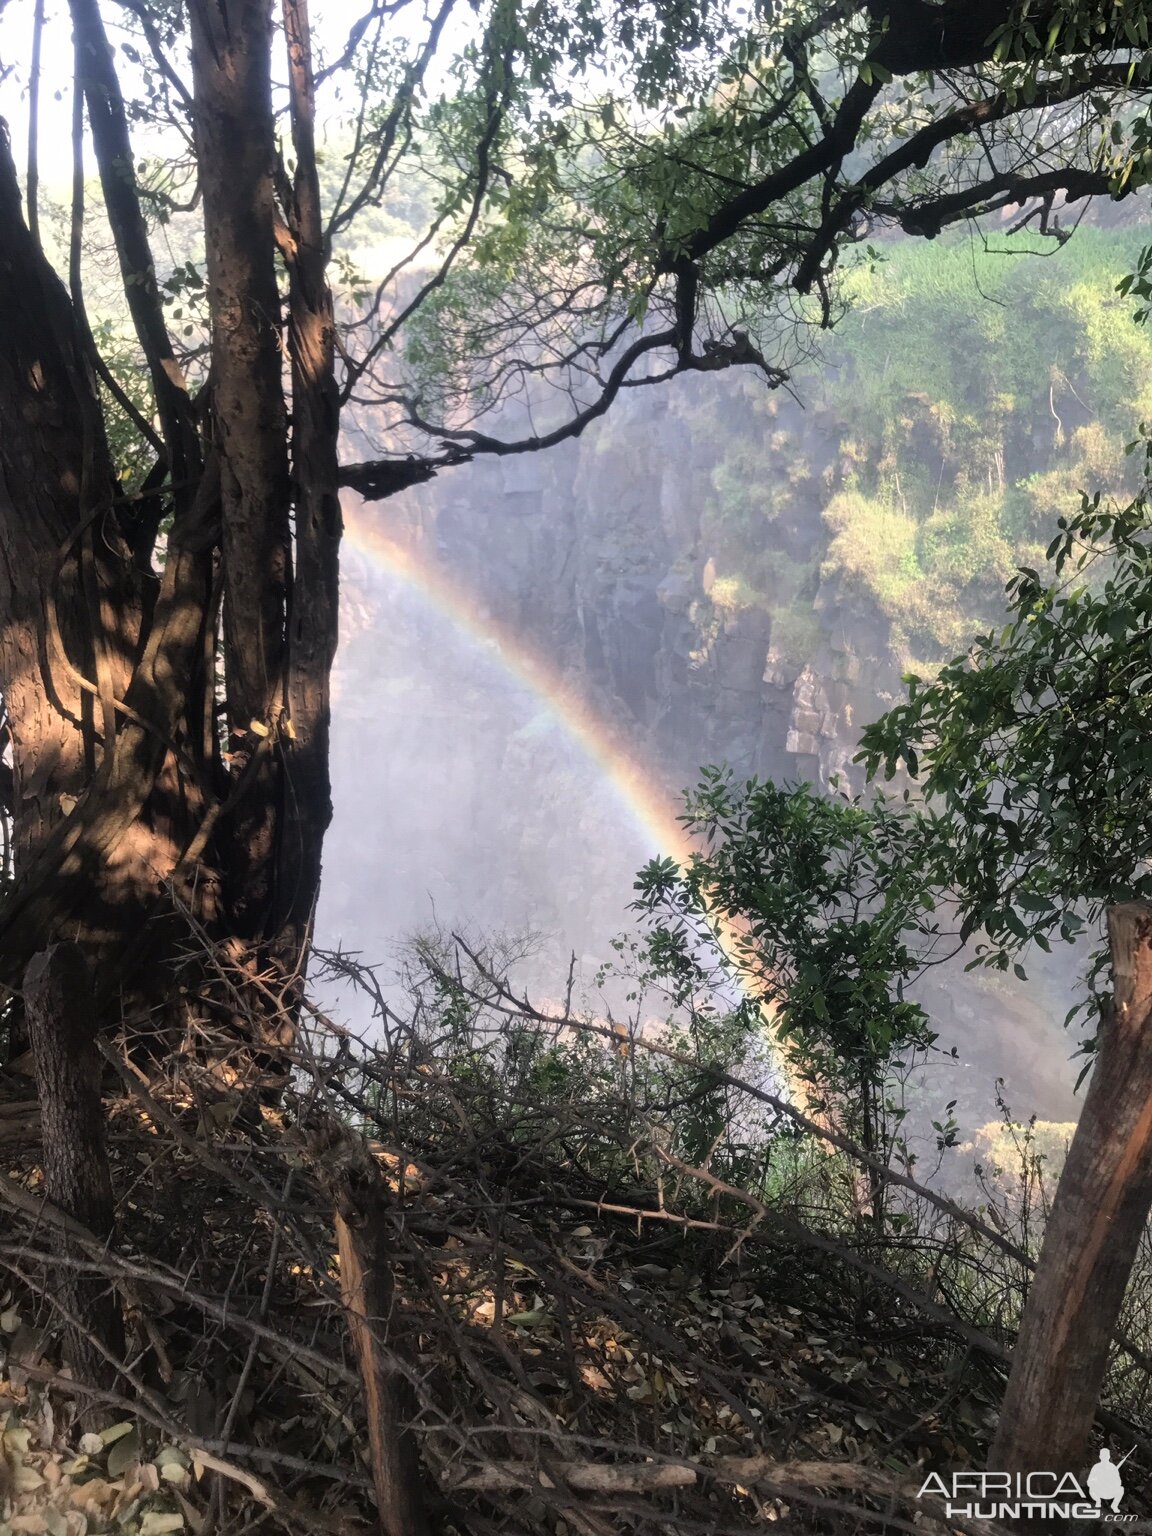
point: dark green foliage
(971, 391)
(824, 917)
(1035, 745)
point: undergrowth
(610, 1316)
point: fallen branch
(582, 1476)
(795, 1478)
(791, 1479)
(366, 1287)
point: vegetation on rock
(939, 466)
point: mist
(470, 798)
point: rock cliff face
(724, 575)
(601, 556)
(462, 797)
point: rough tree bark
(56, 488)
(1100, 1211)
(123, 776)
(97, 659)
(313, 631)
(58, 999)
(235, 148)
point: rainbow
(649, 806)
(646, 803)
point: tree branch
(108, 121)
(379, 478)
(916, 151)
(480, 442)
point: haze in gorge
(539, 653)
(673, 478)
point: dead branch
(582, 1476)
(368, 1292)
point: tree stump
(77, 1178)
(1101, 1207)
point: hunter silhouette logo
(1034, 1495)
(1105, 1484)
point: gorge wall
(723, 575)
(600, 555)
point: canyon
(540, 652)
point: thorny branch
(570, 1340)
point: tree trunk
(368, 1294)
(1100, 1211)
(129, 795)
(56, 485)
(126, 785)
(108, 121)
(314, 613)
(235, 149)
(58, 1000)
(97, 659)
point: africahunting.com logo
(1033, 1495)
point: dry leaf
(98, 1492)
(157, 1524)
(17, 1440)
(170, 1453)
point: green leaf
(125, 1451)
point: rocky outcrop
(605, 555)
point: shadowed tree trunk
(127, 788)
(231, 71)
(58, 999)
(97, 659)
(313, 631)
